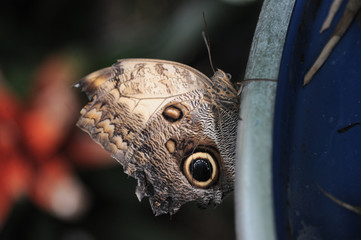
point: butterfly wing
(150, 115)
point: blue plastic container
(317, 131)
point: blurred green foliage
(94, 34)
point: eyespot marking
(171, 145)
(172, 113)
(201, 169)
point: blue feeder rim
(253, 188)
(292, 140)
(317, 132)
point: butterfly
(170, 126)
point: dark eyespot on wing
(172, 113)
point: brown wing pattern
(151, 115)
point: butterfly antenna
(206, 40)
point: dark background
(92, 35)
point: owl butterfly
(169, 126)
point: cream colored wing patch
(125, 96)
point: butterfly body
(171, 127)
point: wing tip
(90, 83)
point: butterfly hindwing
(171, 127)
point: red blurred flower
(39, 145)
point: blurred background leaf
(55, 183)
